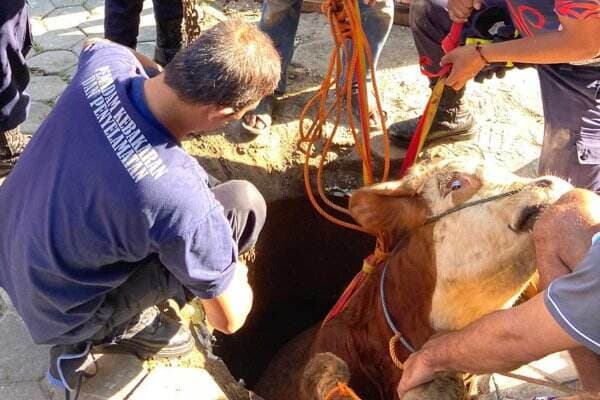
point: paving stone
(39, 8)
(52, 62)
(37, 26)
(66, 17)
(45, 88)
(25, 390)
(559, 366)
(60, 39)
(67, 3)
(94, 6)
(147, 49)
(20, 359)
(117, 376)
(178, 384)
(93, 27)
(37, 113)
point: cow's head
(483, 255)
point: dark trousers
(15, 43)
(152, 283)
(570, 96)
(122, 18)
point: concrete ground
(510, 132)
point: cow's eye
(455, 184)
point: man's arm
(577, 41)
(500, 341)
(228, 311)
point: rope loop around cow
(341, 389)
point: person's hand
(460, 10)
(563, 233)
(369, 3)
(466, 64)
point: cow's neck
(409, 285)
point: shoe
(452, 122)
(68, 364)
(12, 144)
(168, 40)
(153, 334)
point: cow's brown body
(430, 285)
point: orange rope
(345, 24)
(341, 389)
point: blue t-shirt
(101, 185)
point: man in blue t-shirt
(120, 217)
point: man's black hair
(232, 64)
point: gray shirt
(574, 299)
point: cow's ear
(390, 207)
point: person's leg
(168, 15)
(430, 23)
(122, 21)
(246, 210)
(14, 78)
(571, 145)
(279, 19)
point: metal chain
(191, 21)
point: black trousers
(152, 283)
(15, 43)
(122, 18)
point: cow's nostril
(543, 183)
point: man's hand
(418, 369)
(466, 64)
(460, 10)
(563, 233)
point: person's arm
(578, 40)
(500, 341)
(228, 311)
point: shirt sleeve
(204, 259)
(574, 300)
(578, 9)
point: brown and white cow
(443, 274)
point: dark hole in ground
(303, 263)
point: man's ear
(220, 113)
(390, 207)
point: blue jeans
(280, 19)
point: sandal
(374, 120)
(263, 116)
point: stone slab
(25, 390)
(40, 8)
(45, 88)
(52, 62)
(94, 6)
(20, 359)
(178, 384)
(147, 49)
(557, 367)
(65, 18)
(59, 39)
(37, 113)
(117, 376)
(67, 3)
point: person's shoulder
(98, 53)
